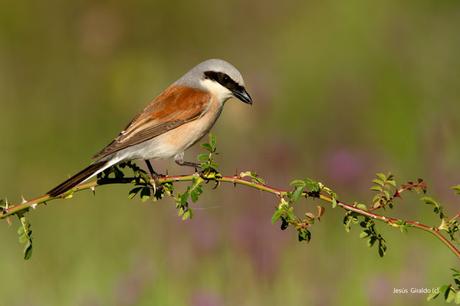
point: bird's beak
(242, 95)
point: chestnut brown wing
(175, 106)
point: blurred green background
(342, 89)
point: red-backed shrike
(175, 120)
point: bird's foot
(155, 176)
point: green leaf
(298, 183)
(381, 176)
(297, 193)
(376, 188)
(195, 193)
(183, 197)
(434, 294)
(28, 250)
(348, 219)
(457, 297)
(382, 248)
(392, 183)
(312, 185)
(371, 241)
(456, 273)
(277, 215)
(444, 290)
(187, 214)
(207, 147)
(203, 157)
(334, 202)
(145, 194)
(257, 179)
(456, 189)
(25, 236)
(449, 295)
(133, 192)
(387, 194)
(212, 141)
(254, 177)
(429, 201)
(402, 226)
(23, 239)
(119, 173)
(304, 234)
(290, 213)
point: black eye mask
(224, 80)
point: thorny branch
(14, 209)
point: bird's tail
(80, 177)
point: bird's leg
(179, 159)
(154, 175)
(152, 172)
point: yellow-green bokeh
(341, 89)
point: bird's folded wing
(175, 106)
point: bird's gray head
(218, 77)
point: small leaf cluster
(285, 210)
(24, 230)
(334, 197)
(402, 225)
(456, 189)
(419, 186)
(349, 219)
(141, 180)
(387, 192)
(25, 235)
(385, 186)
(208, 165)
(115, 172)
(139, 176)
(253, 176)
(209, 172)
(192, 192)
(451, 226)
(368, 231)
(437, 208)
(450, 292)
(372, 236)
(309, 187)
(285, 213)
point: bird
(171, 123)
